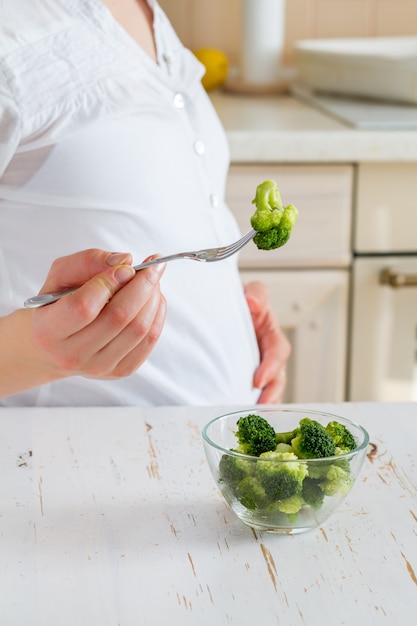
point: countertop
(110, 517)
(284, 129)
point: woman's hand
(274, 347)
(106, 329)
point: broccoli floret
(255, 435)
(271, 239)
(267, 197)
(342, 437)
(272, 221)
(280, 480)
(284, 447)
(286, 437)
(233, 469)
(343, 463)
(291, 505)
(337, 481)
(286, 510)
(251, 493)
(312, 441)
(312, 493)
(319, 470)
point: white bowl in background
(375, 67)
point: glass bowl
(245, 481)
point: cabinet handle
(397, 279)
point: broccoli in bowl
(272, 220)
(284, 470)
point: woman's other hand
(274, 347)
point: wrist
(22, 364)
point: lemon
(217, 67)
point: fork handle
(48, 298)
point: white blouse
(102, 147)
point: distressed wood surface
(110, 517)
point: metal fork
(207, 255)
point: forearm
(22, 366)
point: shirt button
(199, 147)
(214, 200)
(178, 101)
(168, 57)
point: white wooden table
(110, 517)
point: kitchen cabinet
(386, 211)
(383, 359)
(308, 279)
(353, 330)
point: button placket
(199, 147)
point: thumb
(76, 269)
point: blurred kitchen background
(345, 286)
(216, 23)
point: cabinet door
(323, 196)
(311, 307)
(386, 214)
(384, 331)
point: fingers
(273, 392)
(76, 311)
(76, 269)
(271, 375)
(108, 326)
(132, 317)
(126, 353)
(274, 347)
(256, 294)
